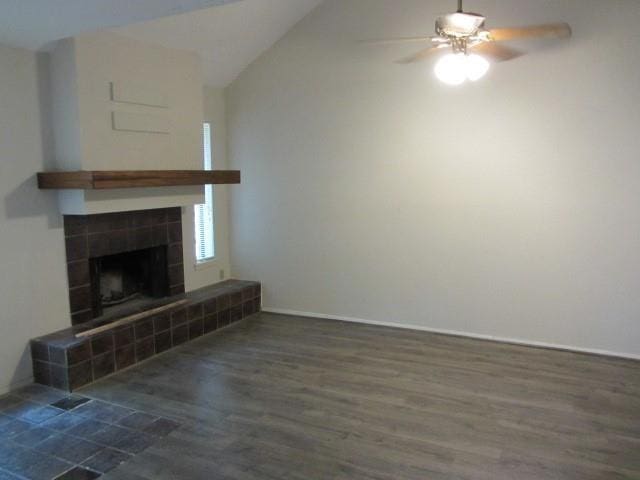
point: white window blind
(204, 234)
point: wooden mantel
(102, 180)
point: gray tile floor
(47, 434)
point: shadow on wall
(24, 365)
(26, 200)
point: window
(205, 238)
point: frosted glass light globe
(451, 69)
(477, 67)
(455, 68)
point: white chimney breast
(120, 104)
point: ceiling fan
(468, 41)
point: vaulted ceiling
(34, 23)
(228, 34)
(228, 38)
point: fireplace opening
(128, 280)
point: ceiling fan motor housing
(459, 25)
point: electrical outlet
(221, 274)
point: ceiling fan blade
(498, 53)
(421, 55)
(391, 41)
(553, 30)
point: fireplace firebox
(124, 279)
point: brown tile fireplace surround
(97, 236)
(152, 240)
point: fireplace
(123, 280)
(122, 261)
(119, 262)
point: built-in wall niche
(138, 94)
(136, 122)
(151, 113)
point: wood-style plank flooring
(278, 397)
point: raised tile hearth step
(64, 361)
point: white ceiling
(229, 37)
(34, 23)
(228, 34)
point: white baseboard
(456, 333)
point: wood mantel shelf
(103, 180)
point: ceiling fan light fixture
(450, 69)
(456, 68)
(459, 24)
(477, 67)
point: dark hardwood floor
(278, 397)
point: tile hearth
(64, 361)
(47, 434)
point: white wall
(33, 289)
(218, 268)
(504, 208)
